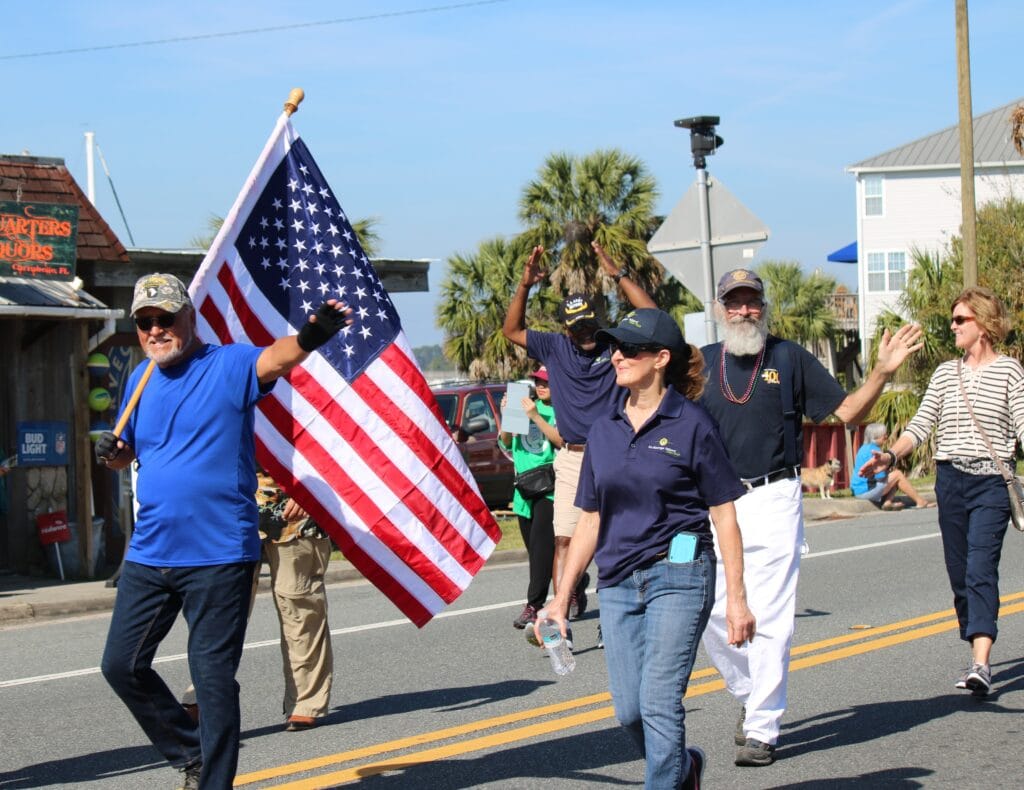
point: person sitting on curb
(882, 487)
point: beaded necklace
(723, 380)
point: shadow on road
(86, 768)
(864, 723)
(443, 699)
(892, 779)
(572, 757)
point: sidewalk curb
(338, 571)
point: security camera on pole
(684, 243)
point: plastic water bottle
(562, 659)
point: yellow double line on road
(815, 654)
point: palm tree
(798, 307)
(473, 304)
(606, 196)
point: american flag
(353, 434)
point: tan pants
(297, 576)
(567, 477)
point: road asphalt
(26, 599)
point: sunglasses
(632, 350)
(164, 321)
(959, 320)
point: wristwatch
(622, 273)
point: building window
(897, 271)
(872, 196)
(887, 271)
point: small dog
(822, 477)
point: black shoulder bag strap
(785, 363)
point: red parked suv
(473, 413)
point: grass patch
(510, 536)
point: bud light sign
(42, 443)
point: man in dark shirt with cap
(759, 389)
(582, 386)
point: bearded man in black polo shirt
(759, 389)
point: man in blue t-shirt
(582, 387)
(759, 389)
(195, 545)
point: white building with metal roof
(909, 198)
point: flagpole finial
(294, 100)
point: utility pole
(969, 227)
(703, 143)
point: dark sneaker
(979, 680)
(740, 738)
(578, 600)
(600, 638)
(528, 615)
(697, 759)
(191, 775)
(755, 753)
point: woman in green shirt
(530, 450)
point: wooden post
(81, 455)
(969, 228)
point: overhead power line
(252, 31)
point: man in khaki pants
(298, 552)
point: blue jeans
(652, 623)
(215, 603)
(973, 515)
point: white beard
(742, 337)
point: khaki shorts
(567, 477)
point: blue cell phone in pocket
(683, 547)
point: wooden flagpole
(134, 400)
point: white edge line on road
(76, 673)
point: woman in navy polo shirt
(654, 474)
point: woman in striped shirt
(973, 504)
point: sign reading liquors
(38, 240)
(42, 443)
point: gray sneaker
(979, 680)
(740, 738)
(191, 775)
(961, 682)
(755, 753)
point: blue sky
(435, 121)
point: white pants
(771, 522)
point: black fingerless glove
(328, 323)
(106, 447)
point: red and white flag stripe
(371, 460)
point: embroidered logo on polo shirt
(663, 446)
(770, 376)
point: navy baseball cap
(575, 308)
(739, 278)
(646, 326)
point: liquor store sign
(38, 240)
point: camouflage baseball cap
(160, 290)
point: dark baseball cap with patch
(575, 308)
(646, 326)
(739, 278)
(160, 290)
